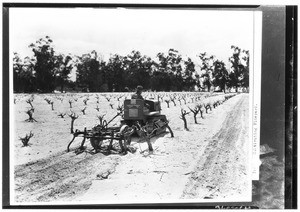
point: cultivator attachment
(97, 136)
(136, 122)
(123, 135)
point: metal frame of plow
(121, 134)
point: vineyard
(208, 127)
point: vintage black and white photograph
(131, 105)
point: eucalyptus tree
(219, 75)
(44, 66)
(170, 68)
(23, 74)
(206, 69)
(90, 71)
(239, 75)
(64, 66)
(189, 78)
(138, 69)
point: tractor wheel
(125, 130)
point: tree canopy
(168, 71)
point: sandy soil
(210, 161)
(222, 172)
(192, 165)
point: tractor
(140, 118)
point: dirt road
(222, 171)
(208, 161)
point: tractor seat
(153, 113)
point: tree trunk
(149, 144)
(223, 88)
(62, 87)
(201, 113)
(195, 118)
(208, 87)
(185, 123)
(72, 124)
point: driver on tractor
(138, 95)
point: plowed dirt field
(211, 160)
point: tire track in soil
(62, 176)
(222, 171)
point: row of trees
(215, 73)
(47, 70)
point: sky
(150, 31)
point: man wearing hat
(138, 94)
